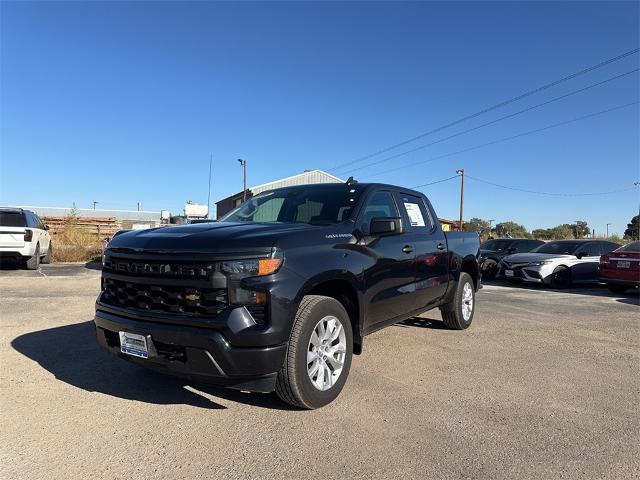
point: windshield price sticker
(415, 215)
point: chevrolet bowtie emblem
(192, 296)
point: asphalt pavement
(544, 384)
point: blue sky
(123, 102)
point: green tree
(563, 232)
(512, 229)
(631, 232)
(477, 225)
(581, 229)
(542, 234)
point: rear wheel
(617, 288)
(458, 314)
(561, 278)
(33, 263)
(49, 256)
(318, 355)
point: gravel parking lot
(544, 384)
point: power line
(511, 115)
(437, 181)
(493, 107)
(554, 194)
(500, 140)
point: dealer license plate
(508, 273)
(134, 344)
(624, 263)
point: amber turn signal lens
(261, 298)
(267, 266)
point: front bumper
(526, 273)
(199, 353)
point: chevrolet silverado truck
(281, 292)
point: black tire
(49, 256)
(489, 269)
(561, 278)
(452, 314)
(293, 384)
(617, 288)
(33, 263)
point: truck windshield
(325, 204)
(558, 248)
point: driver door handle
(407, 249)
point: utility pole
(243, 163)
(94, 204)
(139, 205)
(637, 184)
(461, 173)
(209, 195)
(608, 229)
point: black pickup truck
(281, 292)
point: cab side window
(381, 204)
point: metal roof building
(305, 178)
(133, 215)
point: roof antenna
(351, 182)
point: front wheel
(318, 355)
(458, 314)
(489, 269)
(561, 278)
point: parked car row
(562, 263)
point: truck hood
(533, 257)
(218, 237)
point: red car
(620, 269)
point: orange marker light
(267, 266)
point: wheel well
(470, 266)
(344, 292)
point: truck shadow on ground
(72, 354)
(421, 322)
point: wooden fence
(102, 228)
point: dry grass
(74, 243)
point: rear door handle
(407, 249)
(441, 246)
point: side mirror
(384, 226)
(46, 227)
(579, 255)
(511, 249)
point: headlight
(237, 270)
(539, 264)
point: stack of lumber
(102, 228)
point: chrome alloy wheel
(467, 301)
(326, 353)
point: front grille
(174, 299)
(159, 269)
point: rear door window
(417, 213)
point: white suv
(24, 237)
